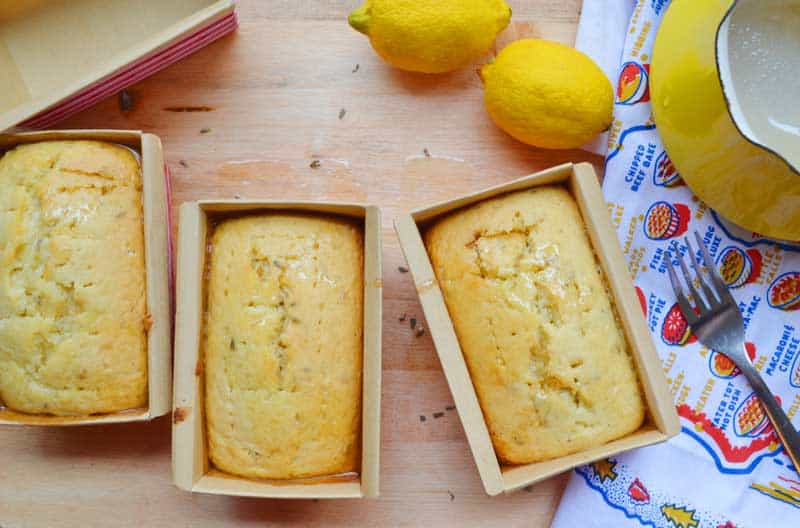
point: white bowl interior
(758, 54)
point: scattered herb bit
(452, 495)
(529, 489)
(402, 317)
(315, 164)
(342, 113)
(278, 264)
(125, 101)
(450, 408)
(413, 322)
(422, 418)
(402, 269)
(438, 414)
(420, 330)
(237, 196)
(426, 152)
(233, 345)
(205, 130)
(356, 68)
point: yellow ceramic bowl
(746, 183)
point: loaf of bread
(72, 279)
(546, 354)
(283, 345)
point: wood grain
(275, 91)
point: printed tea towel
(726, 469)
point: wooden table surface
(296, 84)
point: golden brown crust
(72, 279)
(283, 346)
(545, 352)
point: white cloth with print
(726, 468)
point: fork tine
(710, 297)
(676, 285)
(719, 287)
(698, 300)
(687, 310)
(683, 302)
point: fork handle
(780, 422)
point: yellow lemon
(546, 94)
(431, 36)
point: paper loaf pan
(155, 198)
(661, 421)
(58, 58)
(191, 467)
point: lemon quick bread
(283, 345)
(72, 279)
(544, 349)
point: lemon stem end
(359, 19)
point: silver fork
(717, 322)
